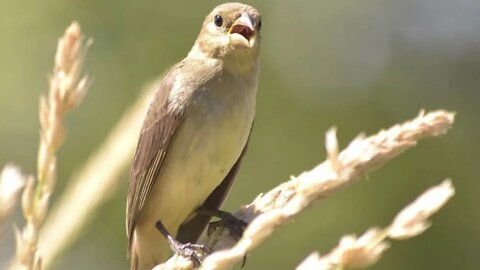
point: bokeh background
(357, 65)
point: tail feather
(132, 251)
(148, 249)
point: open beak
(243, 26)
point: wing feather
(158, 128)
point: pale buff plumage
(194, 134)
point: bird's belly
(205, 148)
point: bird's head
(231, 32)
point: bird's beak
(243, 26)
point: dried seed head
(362, 252)
(413, 219)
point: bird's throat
(239, 61)
(241, 64)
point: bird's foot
(192, 251)
(235, 225)
(189, 250)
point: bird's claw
(192, 251)
(235, 225)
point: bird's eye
(218, 20)
(259, 25)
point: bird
(194, 136)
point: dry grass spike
(67, 87)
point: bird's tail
(148, 249)
(133, 252)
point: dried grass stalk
(282, 203)
(67, 88)
(362, 252)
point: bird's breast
(219, 119)
(215, 127)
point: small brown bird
(194, 136)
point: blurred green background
(357, 65)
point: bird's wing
(190, 231)
(158, 128)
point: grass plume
(67, 87)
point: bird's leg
(234, 225)
(188, 250)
